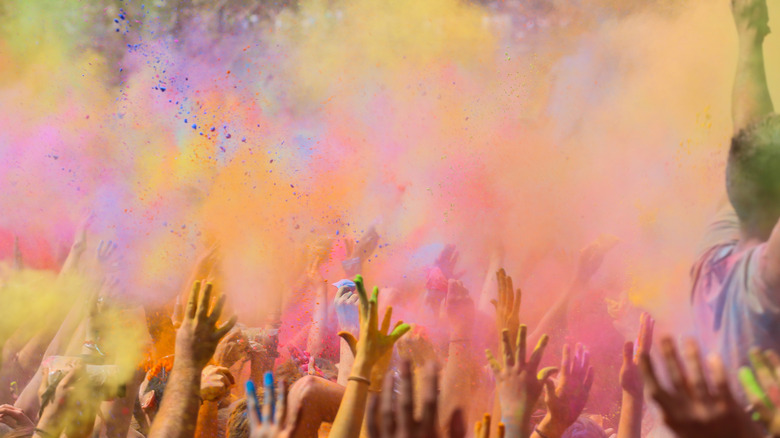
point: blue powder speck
(194, 126)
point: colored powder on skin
(520, 133)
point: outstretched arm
(750, 97)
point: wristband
(360, 379)
(538, 432)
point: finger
(506, 349)
(399, 330)
(350, 339)
(755, 393)
(587, 382)
(646, 333)
(485, 431)
(192, 301)
(217, 311)
(546, 373)
(536, 356)
(269, 398)
(576, 368)
(73, 375)
(429, 400)
(203, 302)
(628, 353)
(518, 300)
(343, 290)
(549, 388)
(719, 377)
(495, 304)
(281, 404)
(510, 299)
(585, 361)
(226, 327)
(388, 407)
(494, 365)
(363, 296)
(386, 320)
(774, 360)
(566, 361)
(762, 369)
(696, 370)
(252, 408)
(501, 279)
(674, 366)
(522, 335)
(651, 379)
(373, 309)
(501, 430)
(406, 399)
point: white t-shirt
(733, 309)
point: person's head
(753, 176)
(237, 424)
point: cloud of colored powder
(517, 128)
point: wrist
(751, 35)
(551, 428)
(362, 368)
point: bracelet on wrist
(539, 432)
(360, 379)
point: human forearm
(457, 380)
(179, 408)
(346, 359)
(120, 411)
(349, 418)
(751, 100)
(630, 425)
(208, 423)
(317, 334)
(549, 428)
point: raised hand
(592, 256)
(517, 382)
(363, 248)
(508, 304)
(751, 14)
(15, 418)
(198, 336)
(447, 261)
(375, 342)
(346, 305)
(459, 309)
(482, 428)
(630, 376)
(397, 418)
(215, 383)
(72, 407)
(763, 387)
(231, 348)
(359, 252)
(270, 420)
(692, 408)
(566, 399)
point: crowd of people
(354, 369)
